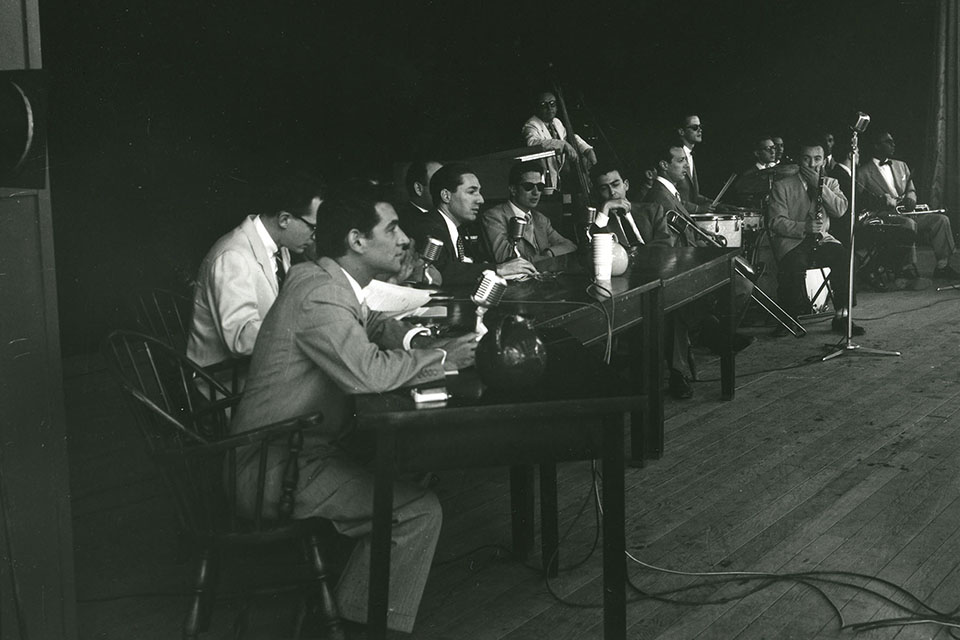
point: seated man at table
(800, 236)
(455, 190)
(239, 278)
(611, 190)
(540, 239)
(318, 345)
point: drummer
(753, 185)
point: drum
(728, 225)
(752, 220)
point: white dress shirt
(887, 172)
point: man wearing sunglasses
(691, 134)
(242, 273)
(545, 129)
(540, 239)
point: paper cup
(602, 255)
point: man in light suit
(540, 239)
(800, 235)
(883, 184)
(240, 276)
(318, 345)
(544, 128)
(455, 190)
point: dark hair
(352, 205)
(449, 177)
(682, 122)
(535, 96)
(841, 150)
(760, 138)
(661, 153)
(602, 168)
(417, 172)
(810, 141)
(292, 192)
(520, 168)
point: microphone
(515, 232)
(431, 251)
(863, 121)
(489, 292)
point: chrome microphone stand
(848, 345)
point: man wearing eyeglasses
(540, 239)
(545, 129)
(242, 273)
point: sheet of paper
(393, 299)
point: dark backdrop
(164, 114)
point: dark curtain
(943, 171)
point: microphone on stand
(489, 292)
(431, 251)
(515, 233)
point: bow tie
(885, 163)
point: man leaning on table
(320, 344)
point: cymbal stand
(848, 346)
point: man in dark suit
(611, 189)
(800, 235)
(417, 183)
(455, 190)
(884, 183)
(690, 133)
(540, 239)
(318, 345)
(888, 238)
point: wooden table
(659, 280)
(578, 411)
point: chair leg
(320, 605)
(204, 590)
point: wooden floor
(847, 466)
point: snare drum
(752, 220)
(727, 225)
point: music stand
(848, 345)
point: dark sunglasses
(693, 127)
(530, 186)
(548, 103)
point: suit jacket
(537, 132)
(236, 286)
(871, 186)
(538, 236)
(791, 207)
(409, 216)
(689, 189)
(451, 269)
(318, 345)
(660, 196)
(841, 226)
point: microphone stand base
(852, 348)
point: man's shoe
(679, 386)
(945, 273)
(839, 325)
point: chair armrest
(253, 436)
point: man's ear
(663, 165)
(355, 241)
(445, 196)
(418, 189)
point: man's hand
(908, 204)
(589, 159)
(890, 201)
(461, 351)
(570, 151)
(516, 267)
(814, 226)
(619, 203)
(810, 175)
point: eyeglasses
(530, 186)
(312, 226)
(767, 148)
(693, 127)
(548, 103)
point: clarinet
(818, 215)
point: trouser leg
(835, 256)
(935, 229)
(341, 490)
(791, 289)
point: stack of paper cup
(602, 255)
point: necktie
(281, 270)
(364, 312)
(553, 131)
(461, 249)
(885, 163)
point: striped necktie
(461, 248)
(281, 270)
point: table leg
(380, 535)
(521, 509)
(727, 357)
(614, 538)
(647, 436)
(549, 529)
